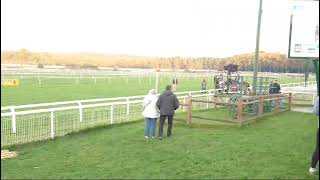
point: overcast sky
(145, 27)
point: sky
(215, 28)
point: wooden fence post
(277, 103)
(290, 101)
(215, 98)
(240, 106)
(260, 111)
(189, 112)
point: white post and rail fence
(35, 122)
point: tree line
(269, 62)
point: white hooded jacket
(150, 107)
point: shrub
(40, 66)
(88, 66)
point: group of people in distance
(164, 106)
(274, 87)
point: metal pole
(316, 71)
(256, 64)
(306, 74)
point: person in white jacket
(150, 112)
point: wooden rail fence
(239, 105)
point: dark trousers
(315, 155)
(161, 123)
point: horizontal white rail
(90, 100)
(68, 108)
(300, 92)
(69, 102)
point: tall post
(256, 64)
(306, 74)
(128, 107)
(239, 115)
(316, 71)
(52, 125)
(290, 101)
(260, 110)
(111, 114)
(189, 113)
(277, 103)
(13, 120)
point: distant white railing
(296, 84)
(302, 97)
(309, 83)
(129, 98)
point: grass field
(277, 147)
(52, 90)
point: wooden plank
(216, 103)
(260, 110)
(263, 115)
(202, 101)
(240, 108)
(290, 101)
(277, 105)
(283, 95)
(247, 113)
(225, 103)
(189, 109)
(214, 119)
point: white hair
(152, 91)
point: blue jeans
(280, 102)
(150, 122)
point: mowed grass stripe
(53, 90)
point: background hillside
(270, 62)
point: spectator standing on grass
(315, 155)
(203, 86)
(277, 90)
(174, 84)
(271, 88)
(150, 112)
(248, 88)
(167, 103)
(276, 87)
(221, 86)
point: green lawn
(52, 90)
(277, 147)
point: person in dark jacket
(174, 84)
(203, 86)
(277, 90)
(276, 87)
(167, 103)
(271, 88)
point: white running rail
(42, 121)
